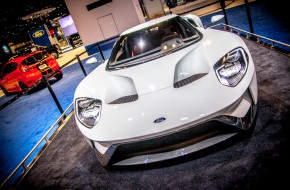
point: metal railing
(256, 37)
(47, 140)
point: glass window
(9, 68)
(151, 40)
(29, 61)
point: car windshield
(169, 35)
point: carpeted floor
(250, 162)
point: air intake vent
(188, 80)
(125, 99)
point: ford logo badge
(38, 34)
(159, 120)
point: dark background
(14, 29)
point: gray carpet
(250, 162)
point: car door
(9, 74)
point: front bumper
(179, 143)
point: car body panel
(138, 117)
(165, 64)
(161, 108)
(155, 88)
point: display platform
(258, 160)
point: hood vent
(125, 99)
(188, 80)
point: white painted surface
(138, 10)
(108, 26)
(153, 81)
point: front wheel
(6, 93)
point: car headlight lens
(232, 67)
(88, 111)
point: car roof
(20, 58)
(148, 24)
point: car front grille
(174, 141)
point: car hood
(160, 73)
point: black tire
(58, 76)
(54, 54)
(4, 91)
(23, 87)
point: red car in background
(22, 72)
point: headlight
(232, 67)
(88, 111)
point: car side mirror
(217, 18)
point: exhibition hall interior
(144, 94)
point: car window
(29, 61)
(41, 56)
(9, 68)
(148, 41)
(191, 21)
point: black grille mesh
(174, 141)
(125, 99)
(188, 80)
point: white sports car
(170, 88)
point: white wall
(138, 10)
(86, 22)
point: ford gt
(171, 87)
